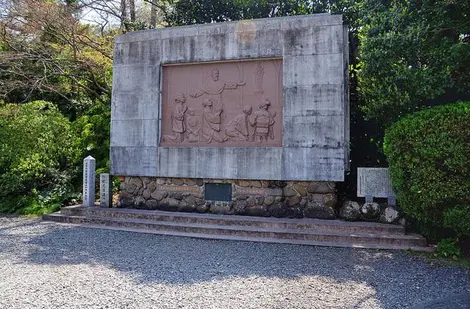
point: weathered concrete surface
(375, 182)
(314, 52)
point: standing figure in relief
(215, 86)
(237, 128)
(192, 126)
(178, 119)
(263, 121)
(210, 125)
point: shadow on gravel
(152, 258)
(16, 223)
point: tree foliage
(429, 157)
(413, 54)
(38, 157)
(187, 12)
(48, 54)
(405, 55)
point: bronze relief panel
(223, 104)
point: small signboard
(374, 182)
(218, 192)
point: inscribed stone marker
(106, 191)
(89, 181)
(374, 182)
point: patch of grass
(435, 259)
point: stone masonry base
(296, 199)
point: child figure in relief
(263, 121)
(178, 119)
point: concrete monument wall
(302, 133)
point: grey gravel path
(44, 265)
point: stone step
(234, 220)
(363, 240)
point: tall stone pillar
(89, 165)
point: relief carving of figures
(210, 125)
(178, 119)
(192, 126)
(263, 121)
(217, 105)
(215, 86)
(237, 128)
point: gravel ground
(44, 265)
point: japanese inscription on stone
(106, 190)
(89, 181)
(222, 104)
(374, 182)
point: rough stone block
(258, 210)
(350, 211)
(370, 211)
(220, 208)
(389, 214)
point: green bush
(37, 157)
(458, 219)
(448, 248)
(429, 158)
(93, 131)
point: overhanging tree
(413, 54)
(48, 54)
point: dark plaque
(218, 192)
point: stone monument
(375, 182)
(256, 112)
(106, 190)
(89, 181)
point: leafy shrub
(93, 131)
(37, 159)
(458, 219)
(429, 158)
(448, 248)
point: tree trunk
(123, 12)
(132, 10)
(153, 14)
